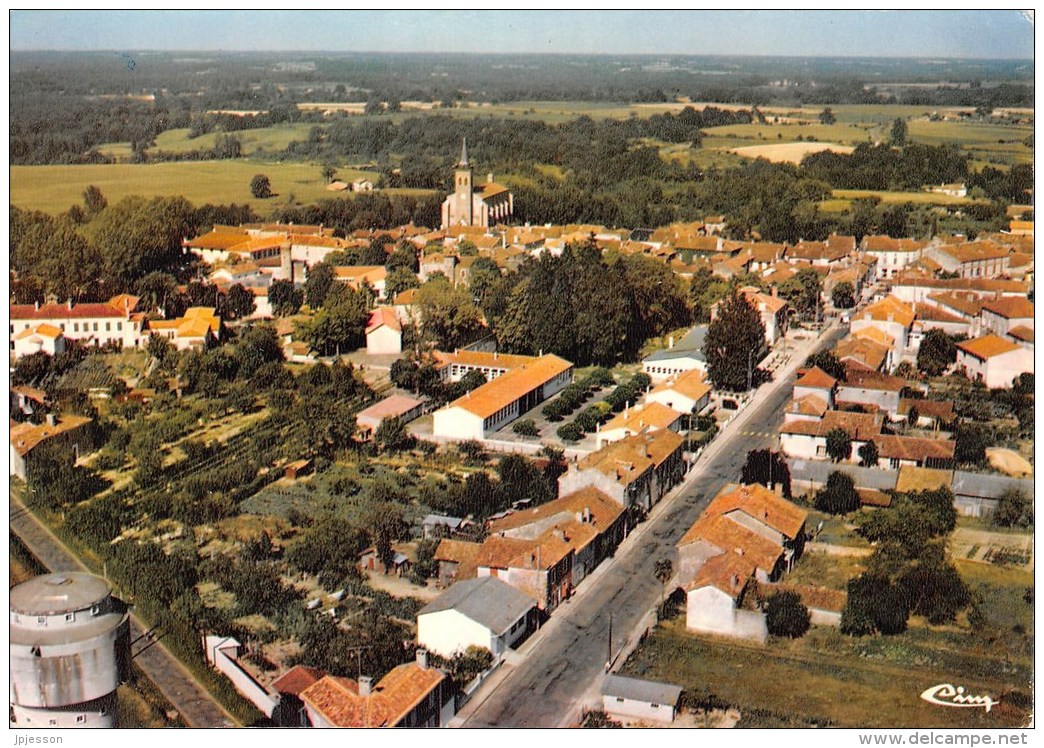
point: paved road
(195, 705)
(562, 666)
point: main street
(195, 705)
(560, 668)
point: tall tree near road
(735, 340)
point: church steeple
(464, 153)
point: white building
(113, 321)
(714, 597)
(383, 332)
(994, 360)
(483, 612)
(686, 393)
(644, 700)
(499, 402)
(642, 419)
(43, 338)
(677, 359)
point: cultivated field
(842, 199)
(53, 189)
(789, 152)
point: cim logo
(946, 694)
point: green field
(842, 199)
(261, 140)
(756, 134)
(54, 189)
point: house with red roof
(112, 322)
(411, 695)
(1000, 315)
(383, 331)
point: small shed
(297, 468)
(646, 700)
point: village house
(806, 439)
(43, 338)
(999, 316)
(892, 255)
(198, 328)
(636, 471)
(891, 316)
(383, 332)
(604, 518)
(817, 383)
(357, 276)
(542, 568)
(109, 323)
(291, 711)
(410, 695)
(882, 391)
(484, 612)
(917, 288)
(677, 359)
(746, 534)
(979, 259)
(497, 403)
(862, 351)
(651, 417)
(68, 432)
(685, 393)
(457, 559)
(993, 360)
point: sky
(878, 33)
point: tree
(399, 280)
(340, 325)
(525, 427)
(843, 295)
(838, 445)
(868, 455)
(94, 201)
(448, 315)
(391, 435)
(828, 362)
(1014, 509)
(257, 346)
(138, 236)
(937, 352)
(735, 339)
(284, 298)
(971, 440)
(239, 303)
(839, 496)
(802, 292)
(827, 117)
(260, 187)
(786, 615)
(317, 286)
(897, 135)
(873, 604)
(663, 571)
(767, 468)
(328, 173)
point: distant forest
(65, 104)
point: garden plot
(1000, 549)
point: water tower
(70, 649)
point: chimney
(587, 514)
(69, 302)
(579, 517)
(670, 342)
(365, 685)
(490, 179)
(422, 659)
(558, 533)
(52, 419)
(37, 304)
(775, 292)
(735, 580)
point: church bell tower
(463, 189)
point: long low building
(500, 401)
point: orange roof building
(497, 403)
(410, 695)
(652, 417)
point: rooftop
(988, 346)
(393, 697)
(487, 399)
(55, 594)
(647, 691)
(488, 601)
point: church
(485, 205)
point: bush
(786, 615)
(570, 432)
(839, 495)
(525, 427)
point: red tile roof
(988, 346)
(816, 378)
(392, 698)
(297, 679)
(1010, 307)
